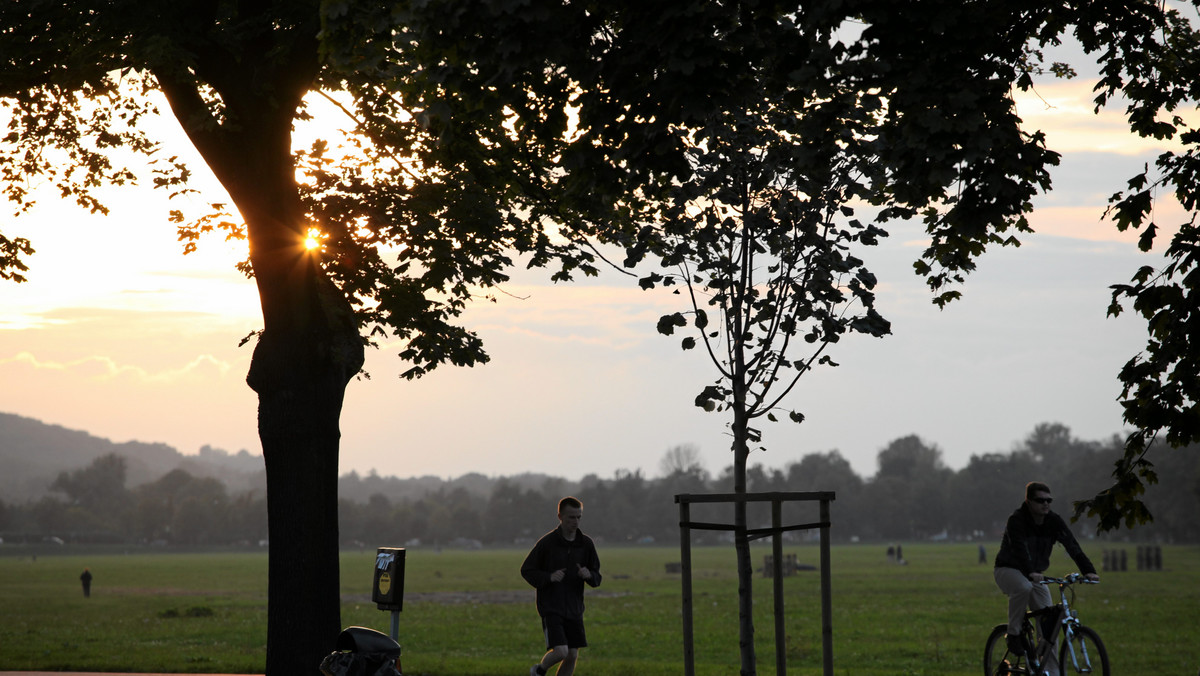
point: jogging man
(558, 566)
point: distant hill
(32, 454)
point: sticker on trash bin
(383, 560)
(385, 583)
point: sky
(118, 334)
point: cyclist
(1024, 554)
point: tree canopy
(483, 131)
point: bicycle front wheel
(1084, 653)
(996, 659)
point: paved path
(102, 673)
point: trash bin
(362, 651)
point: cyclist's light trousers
(1022, 593)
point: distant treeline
(912, 496)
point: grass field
(469, 613)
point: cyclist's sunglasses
(1043, 501)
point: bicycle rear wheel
(1084, 653)
(997, 661)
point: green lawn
(469, 613)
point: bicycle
(1081, 650)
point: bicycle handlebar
(1068, 580)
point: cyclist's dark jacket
(553, 552)
(1026, 545)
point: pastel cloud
(1064, 109)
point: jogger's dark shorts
(563, 631)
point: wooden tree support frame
(775, 532)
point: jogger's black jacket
(554, 552)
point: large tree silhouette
(404, 244)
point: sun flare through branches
(313, 240)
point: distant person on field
(557, 566)
(1024, 555)
(86, 579)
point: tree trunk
(737, 320)
(300, 401)
(309, 350)
(745, 567)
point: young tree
(769, 231)
(757, 243)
